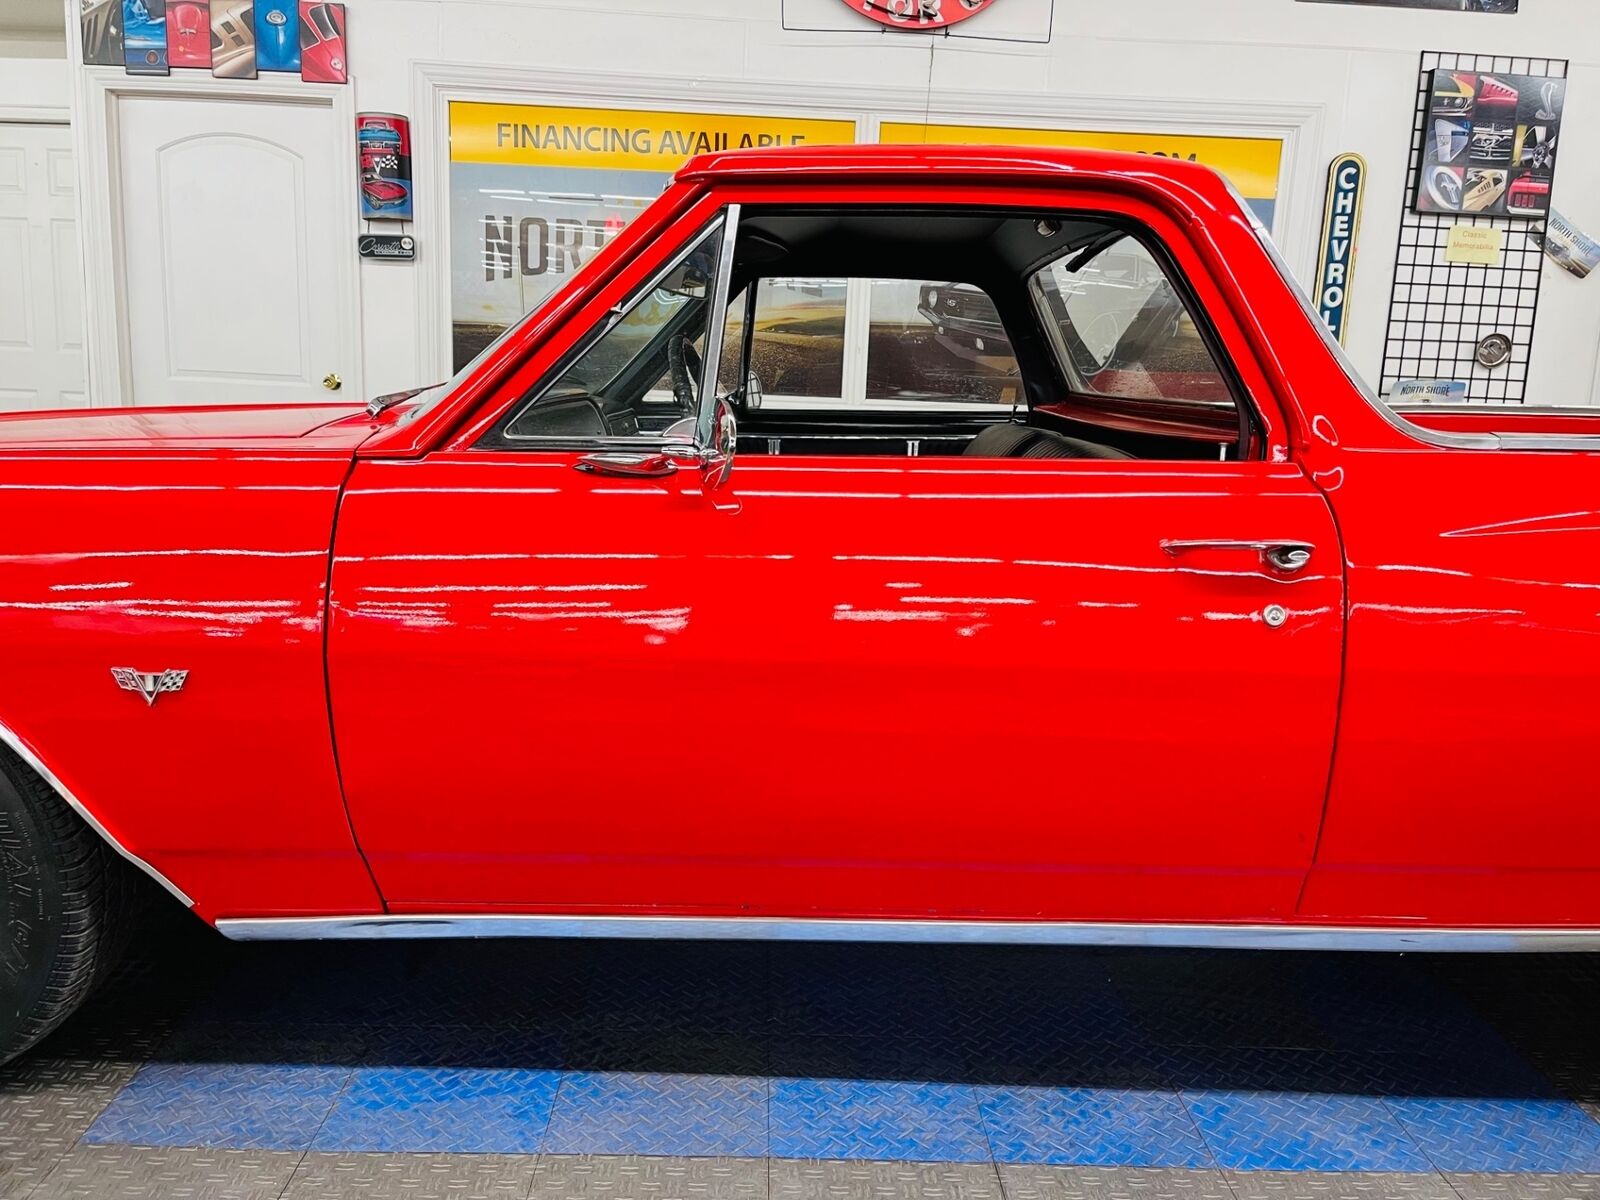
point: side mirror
(716, 460)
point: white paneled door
(232, 259)
(41, 281)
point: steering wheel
(683, 363)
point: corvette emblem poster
(1490, 144)
(536, 190)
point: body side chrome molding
(809, 929)
(45, 773)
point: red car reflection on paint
(1188, 641)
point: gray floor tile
(648, 1177)
(135, 1173)
(1029, 1182)
(1525, 1187)
(1329, 1185)
(412, 1176)
(24, 1161)
(824, 1179)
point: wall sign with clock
(919, 14)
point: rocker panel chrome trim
(808, 929)
(21, 750)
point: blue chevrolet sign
(1347, 183)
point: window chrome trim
(716, 324)
(809, 929)
(45, 773)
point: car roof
(1012, 163)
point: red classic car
(1180, 637)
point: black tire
(64, 899)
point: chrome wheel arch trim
(818, 929)
(36, 764)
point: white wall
(1352, 68)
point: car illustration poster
(1489, 143)
(322, 43)
(101, 24)
(233, 40)
(144, 37)
(278, 35)
(384, 144)
(535, 190)
(189, 33)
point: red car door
(837, 685)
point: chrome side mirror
(716, 460)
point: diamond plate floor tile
(1029, 1181)
(599, 1112)
(25, 1161)
(1313, 1185)
(1286, 1131)
(1091, 1127)
(1525, 1187)
(248, 1106)
(1487, 1135)
(453, 1110)
(883, 1119)
(636, 1177)
(814, 1179)
(411, 1177)
(723, 988)
(137, 1173)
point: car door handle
(1284, 555)
(629, 466)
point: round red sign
(918, 14)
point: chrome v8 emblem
(149, 684)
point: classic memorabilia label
(619, 139)
(1341, 225)
(1475, 245)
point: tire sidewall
(30, 910)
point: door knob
(332, 382)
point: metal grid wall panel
(1438, 312)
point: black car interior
(1053, 415)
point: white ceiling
(32, 16)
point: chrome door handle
(630, 466)
(1284, 555)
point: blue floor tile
(603, 1112)
(1285, 1131)
(870, 1118)
(461, 1111)
(247, 1106)
(1502, 1134)
(1091, 1127)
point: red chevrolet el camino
(1085, 597)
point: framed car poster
(322, 44)
(278, 35)
(144, 37)
(101, 25)
(1489, 144)
(384, 144)
(233, 40)
(189, 33)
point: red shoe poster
(322, 48)
(189, 33)
(384, 140)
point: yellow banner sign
(1250, 164)
(619, 139)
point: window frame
(717, 228)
